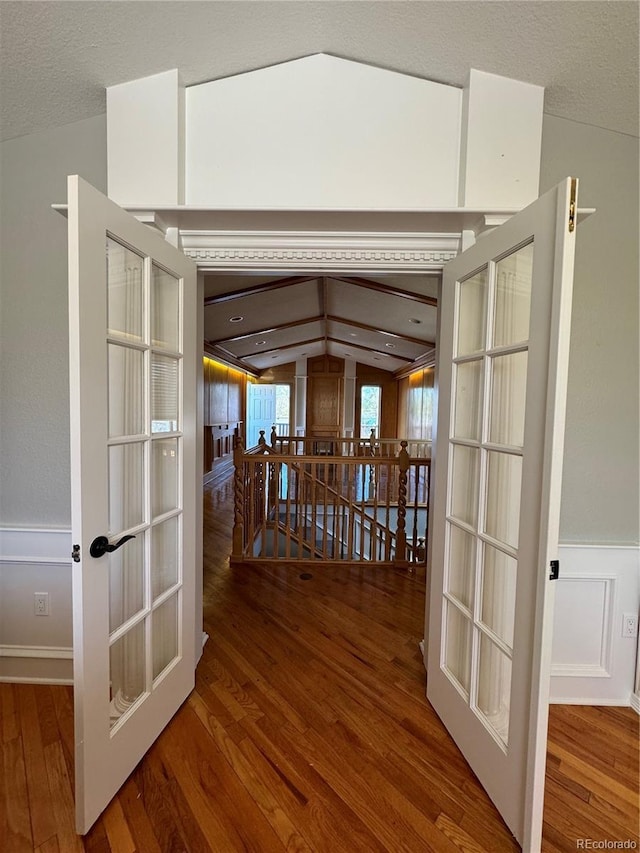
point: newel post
(238, 500)
(401, 536)
(274, 436)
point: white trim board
(40, 652)
(35, 545)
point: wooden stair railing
(337, 500)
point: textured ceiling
(57, 57)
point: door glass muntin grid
(131, 625)
(488, 643)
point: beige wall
(601, 475)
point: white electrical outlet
(41, 603)
(629, 625)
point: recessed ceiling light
(260, 343)
(236, 319)
(354, 334)
(391, 346)
(415, 320)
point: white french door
(502, 372)
(133, 368)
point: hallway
(308, 730)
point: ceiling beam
(228, 359)
(284, 346)
(368, 328)
(265, 287)
(421, 363)
(370, 349)
(387, 289)
(292, 325)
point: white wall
(322, 132)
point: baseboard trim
(635, 702)
(587, 700)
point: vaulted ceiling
(259, 322)
(56, 57)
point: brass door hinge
(572, 205)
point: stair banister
(238, 499)
(401, 536)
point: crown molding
(225, 251)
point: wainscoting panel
(593, 663)
(37, 649)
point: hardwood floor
(308, 730)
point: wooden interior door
(134, 352)
(325, 400)
(502, 373)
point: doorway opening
(268, 407)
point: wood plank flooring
(308, 730)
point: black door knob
(101, 546)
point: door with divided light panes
(133, 367)
(502, 372)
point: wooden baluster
(274, 498)
(427, 478)
(416, 487)
(401, 536)
(238, 500)
(261, 506)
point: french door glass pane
(494, 687)
(126, 391)
(164, 475)
(165, 300)
(164, 630)
(127, 671)
(513, 297)
(462, 555)
(126, 486)
(464, 484)
(125, 286)
(467, 411)
(472, 314)
(457, 657)
(126, 582)
(164, 394)
(508, 393)
(504, 477)
(164, 556)
(499, 593)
